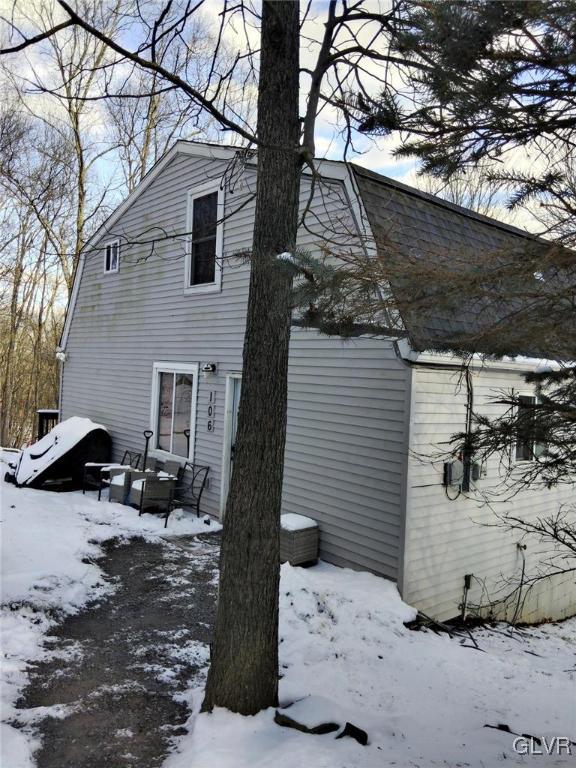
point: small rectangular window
(203, 239)
(112, 256)
(528, 448)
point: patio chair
(119, 484)
(133, 458)
(130, 460)
(97, 472)
(189, 494)
(153, 494)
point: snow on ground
(49, 542)
(423, 698)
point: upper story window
(204, 252)
(528, 448)
(112, 256)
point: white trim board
(226, 440)
(519, 363)
(193, 194)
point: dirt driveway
(119, 666)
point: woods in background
(68, 155)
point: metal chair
(97, 473)
(153, 494)
(189, 494)
(132, 458)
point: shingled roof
(442, 238)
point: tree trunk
(6, 391)
(243, 675)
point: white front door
(233, 388)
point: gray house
(153, 340)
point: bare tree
(472, 188)
(353, 53)
(36, 193)
(54, 96)
(146, 118)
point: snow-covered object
(314, 711)
(139, 484)
(66, 436)
(293, 522)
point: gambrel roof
(406, 226)
(436, 249)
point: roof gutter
(517, 364)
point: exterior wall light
(208, 369)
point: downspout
(61, 357)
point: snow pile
(292, 522)
(424, 699)
(48, 547)
(52, 446)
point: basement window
(528, 448)
(112, 256)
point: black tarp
(57, 461)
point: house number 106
(211, 411)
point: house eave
(516, 363)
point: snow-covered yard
(424, 699)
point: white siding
(447, 539)
(347, 408)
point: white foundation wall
(447, 539)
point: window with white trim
(112, 256)
(528, 448)
(174, 409)
(204, 251)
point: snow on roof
(62, 438)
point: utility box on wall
(453, 473)
(458, 475)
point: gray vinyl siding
(123, 323)
(347, 406)
(346, 446)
